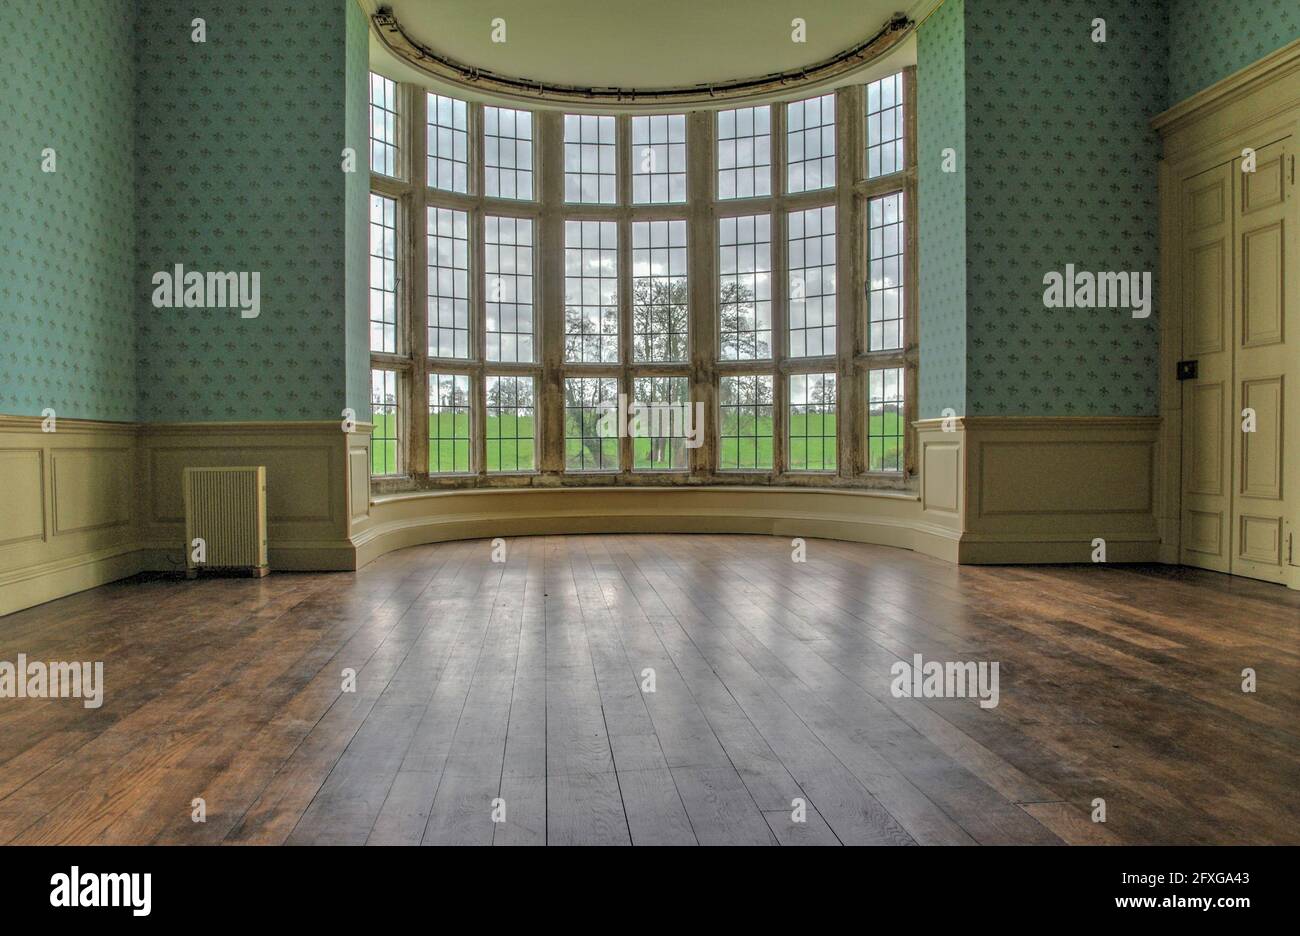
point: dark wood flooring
(522, 682)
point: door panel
(1206, 437)
(1265, 364)
(1261, 286)
(1207, 302)
(1206, 222)
(1261, 451)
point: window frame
(703, 367)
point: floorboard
(660, 690)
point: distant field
(808, 448)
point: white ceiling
(641, 44)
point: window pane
(448, 144)
(812, 422)
(886, 253)
(885, 126)
(511, 416)
(659, 159)
(885, 419)
(810, 144)
(383, 125)
(811, 251)
(383, 273)
(589, 160)
(508, 288)
(384, 419)
(448, 423)
(448, 283)
(745, 423)
(745, 152)
(659, 291)
(745, 287)
(658, 423)
(591, 291)
(507, 153)
(590, 424)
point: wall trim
(994, 489)
(1227, 91)
(1038, 423)
(64, 424)
(884, 518)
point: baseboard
(34, 585)
(1006, 551)
(286, 557)
(38, 584)
(886, 519)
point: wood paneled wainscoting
(92, 502)
(68, 512)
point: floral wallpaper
(67, 237)
(357, 211)
(238, 146)
(224, 155)
(1211, 39)
(1060, 168)
(941, 241)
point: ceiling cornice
(410, 50)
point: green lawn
(505, 454)
(383, 444)
(885, 454)
(812, 442)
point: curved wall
(1020, 489)
(892, 519)
(98, 501)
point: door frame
(1260, 102)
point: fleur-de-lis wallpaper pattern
(1211, 39)
(67, 238)
(239, 146)
(941, 240)
(1058, 166)
(357, 214)
(1061, 168)
(225, 156)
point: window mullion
(625, 343)
(912, 288)
(623, 188)
(416, 436)
(780, 298)
(702, 273)
(850, 147)
(549, 162)
(478, 339)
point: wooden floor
(522, 682)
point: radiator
(226, 509)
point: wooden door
(1206, 267)
(1266, 388)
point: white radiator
(225, 519)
